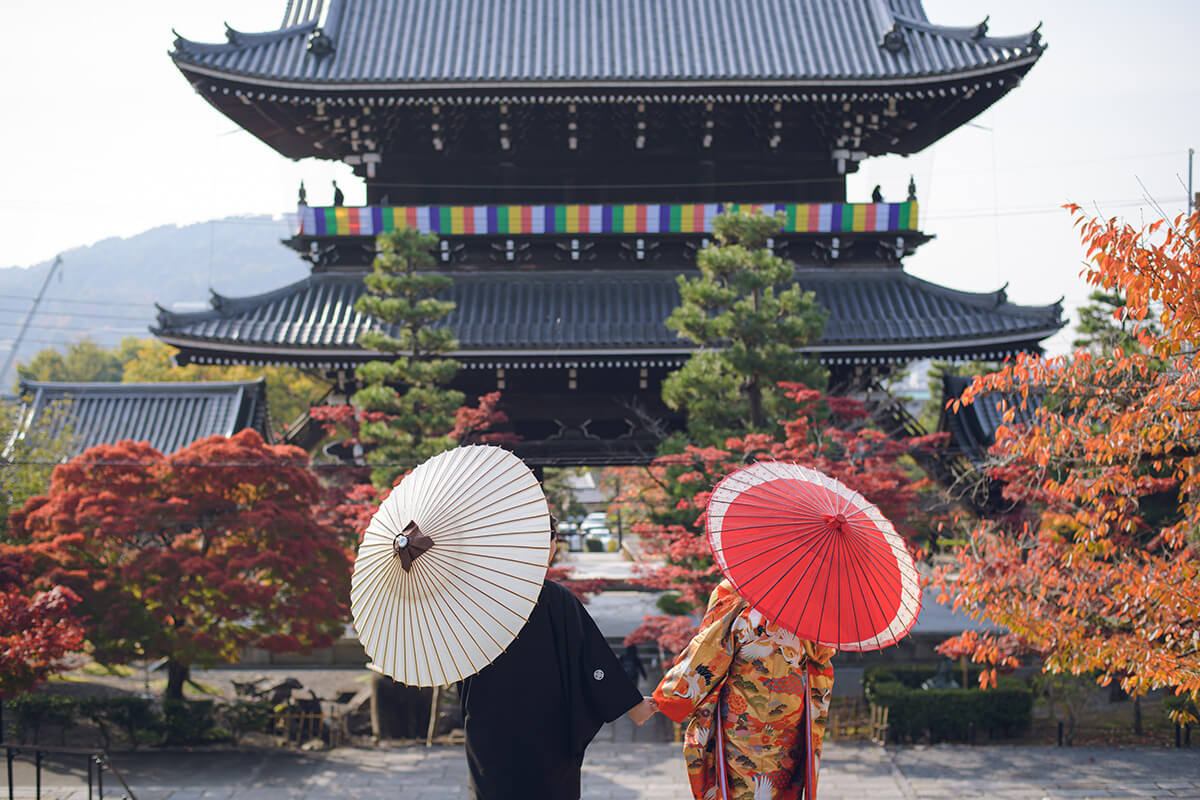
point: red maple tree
(1101, 569)
(826, 433)
(192, 556)
(37, 629)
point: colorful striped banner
(572, 219)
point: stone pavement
(643, 770)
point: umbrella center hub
(400, 542)
(835, 523)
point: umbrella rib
(814, 534)
(388, 624)
(452, 597)
(859, 580)
(454, 470)
(888, 554)
(775, 498)
(790, 528)
(427, 576)
(420, 609)
(458, 599)
(468, 554)
(418, 571)
(792, 499)
(369, 594)
(757, 575)
(834, 544)
(796, 583)
(471, 503)
(490, 583)
(471, 473)
(866, 571)
(486, 524)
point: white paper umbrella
(451, 566)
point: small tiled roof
(973, 427)
(473, 43)
(873, 314)
(169, 416)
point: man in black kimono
(530, 714)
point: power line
(90, 315)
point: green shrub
(913, 675)
(190, 722)
(245, 715)
(669, 603)
(952, 714)
(31, 712)
(135, 717)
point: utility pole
(1191, 196)
(12, 354)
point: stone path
(642, 770)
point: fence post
(37, 772)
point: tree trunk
(177, 675)
(754, 397)
(1137, 714)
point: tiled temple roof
(169, 416)
(873, 315)
(510, 43)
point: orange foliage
(1104, 572)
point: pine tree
(410, 411)
(748, 331)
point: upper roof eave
(631, 85)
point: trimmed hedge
(137, 719)
(912, 675)
(950, 714)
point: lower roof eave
(874, 352)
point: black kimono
(530, 714)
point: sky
(103, 137)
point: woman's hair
(553, 527)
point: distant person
(338, 197)
(631, 662)
(303, 198)
(531, 713)
(877, 195)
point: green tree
(290, 391)
(84, 360)
(29, 456)
(410, 411)
(1104, 325)
(748, 330)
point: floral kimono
(754, 672)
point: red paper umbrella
(813, 556)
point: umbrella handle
(719, 726)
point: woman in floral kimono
(754, 673)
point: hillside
(108, 290)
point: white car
(597, 519)
(607, 540)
